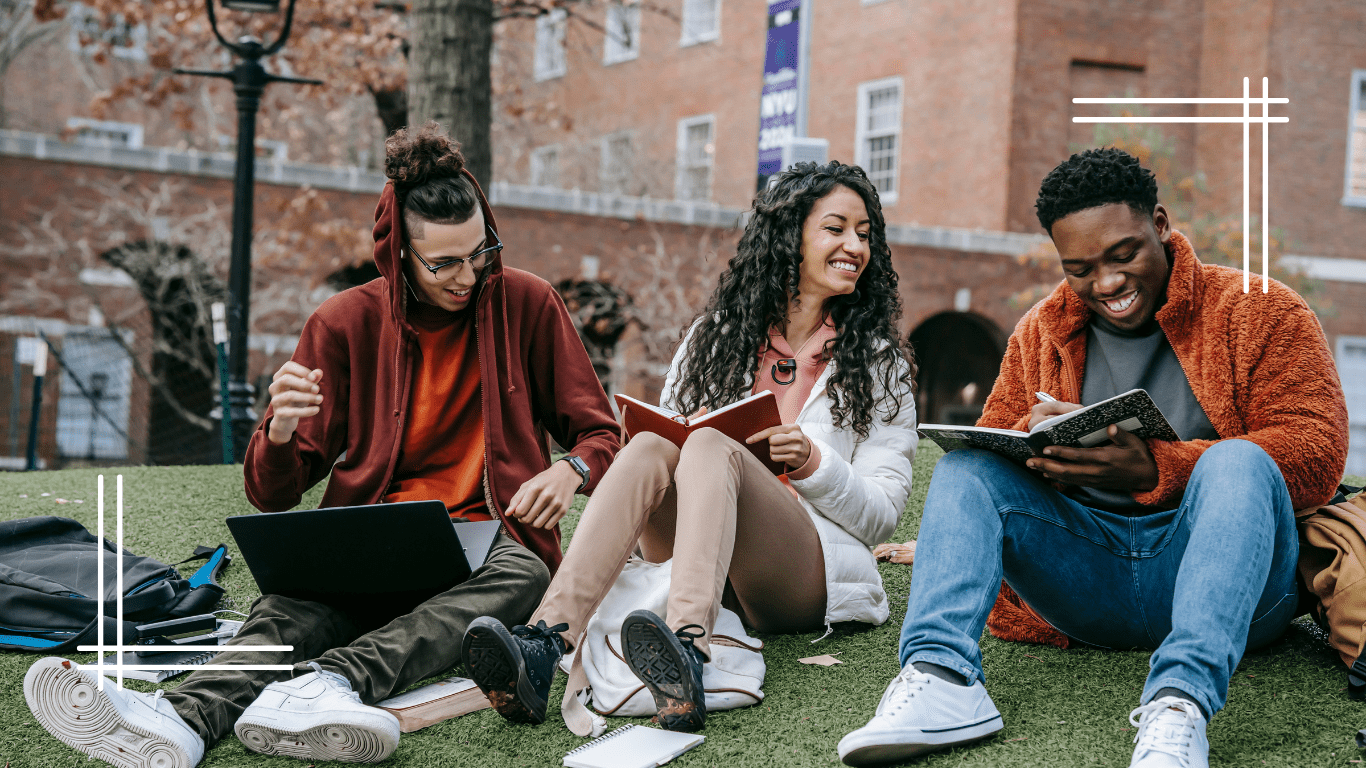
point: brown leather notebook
(434, 703)
(737, 421)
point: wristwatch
(582, 469)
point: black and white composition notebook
(632, 746)
(1133, 411)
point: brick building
(627, 140)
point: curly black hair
(426, 167)
(1092, 178)
(754, 292)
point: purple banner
(779, 101)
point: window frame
(134, 131)
(537, 162)
(603, 157)
(553, 23)
(862, 134)
(681, 166)
(712, 36)
(1355, 105)
(632, 12)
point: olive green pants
(379, 655)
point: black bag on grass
(48, 577)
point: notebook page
(633, 746)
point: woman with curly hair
(807, 309)
(442, 379)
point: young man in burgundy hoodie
(442, 380)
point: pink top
(792, 395)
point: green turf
(1287, 705)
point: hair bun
(414, 157)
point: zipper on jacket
(483, 410)
(1069, 375)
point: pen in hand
(1044, 397)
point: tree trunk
(392, 107)
(449, 78)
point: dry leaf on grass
(824, 661)
(895, 553)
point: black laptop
(408, 548)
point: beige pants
(718, 512)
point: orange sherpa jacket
(1258, 364)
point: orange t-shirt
(442, 454)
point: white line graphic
(118, 648)
(1246, 120)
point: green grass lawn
(1287, 705)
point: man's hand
(545, 498)
(1127, 465)
(1048, 409)
(786, 443)
(294, 395)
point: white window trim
(680, 163)
(714, 36)
(557, 20)
(137, 51)
(535, 159)
(1348, 199)
(861, 130)
(603, 156)
(133, 130)
(609, 56)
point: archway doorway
(959, 354)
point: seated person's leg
(322, 714)
(985, 518)
(1233, 587)
(514, 668)
(181, 724)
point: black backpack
(48, 578)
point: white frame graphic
(1266, 119)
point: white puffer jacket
(855, 497)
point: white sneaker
(317, 717)
(921, 713)
(124, 728)
(1171, 734)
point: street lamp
(249, 80)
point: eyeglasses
(478, 260)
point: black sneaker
(514, 672)
(670, 666)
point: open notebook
(632, 746)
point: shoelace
(908, 682)
(542, 631)
(335, 681)
(1168, 734)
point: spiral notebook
(632, 746)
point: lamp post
(249, 80)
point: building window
(1355, 191)
(618, 157)
(623, 33)
(701, 21)
(550, 60)
(1351, 364)
(696, 151)
(89, 33)
(104, 133)
(92, 411)
(878, 134)
(545, 167)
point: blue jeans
(1200, 583)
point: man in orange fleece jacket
(1185, 547)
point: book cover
(435, 703)
(1133, 411)
(737, 421)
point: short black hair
(1093, 178)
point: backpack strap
(1344, 491)
(202, 588)
(87, 636)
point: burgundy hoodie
(536, 381)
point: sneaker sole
(656, 657)
(878, 752)
(494, 662)
(347, 742)
(69, 704)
